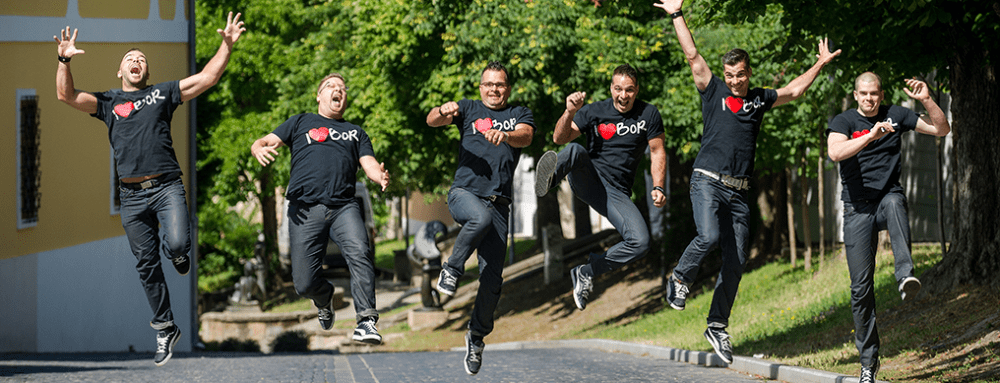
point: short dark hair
(736, 55)
(868, 77)
(496, 65)
(627, 70)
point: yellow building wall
(136, 9)
(75, 152)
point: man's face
(494, 89)
(133, 69)
(869, 97)
(332, 98)
(623, 92)
(737, 78)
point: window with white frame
(28, 158)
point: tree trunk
(974, 257)
(581, 218)
(820, 191)
(547, 214)
(767, 220)
(790, 211)
(269, 222)
(806, 227)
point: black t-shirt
(729, 141)
(325, 158)
(617, 141)
(485, 169)
(139, 128)
(875, 169)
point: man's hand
(671, 6)
(575, 101)
(824, 55)
(917, 89)
(659, 200)
(264, 154)
(385, 176)
(449, 109)
(496, 137)
(234, 29)
(67, 43)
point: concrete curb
(742, 364)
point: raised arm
(799, 85)
(658, 169)
(939, 125)
(699, 68)
(65, 91)
(566, 130)
(196, 84)
(375, 171)
(442, 115)
(265, 148)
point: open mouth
(134, 69)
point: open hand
(67, 43)
(234, 29)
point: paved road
(524, 365)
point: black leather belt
(160, 180)
(499, 199)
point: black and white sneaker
(582, 286)
(909, 287)
(367, 333)
(165, 341)
(868, 373)
(182, 264)
(473, 354)
(719, 339)
(447, 283)
(326, 315)
(544, 170)
(677, 292)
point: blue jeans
(862, 222)
(484, 230)
(146, 214)
(310, 227)
(588, 185)
(720, 215)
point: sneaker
(182, 263)
(165, 341)
(582, 286)
(473, 354)
(326, 314)
(909, 287)
(447, 283)
(677, 292)
(719, 339)
(367, 333)
(868, 373)
(544, 170)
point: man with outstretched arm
(866, 142)
(326, 153)
(153, 202)
(732, 113)
(618, 130)
(492, 135)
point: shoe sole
(170, 349)
(543, 173)
(465, 362)
(368, 339)
(576, 288)
(911, 286)
(715, 346)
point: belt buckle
(733, 182)
(147, 184)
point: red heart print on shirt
(606, 130)
(319, 134)
(734, 103)
(484, 124)
(859, 134)
(124, 109)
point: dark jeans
(588, 185)
(146, 214)
(484, 230)
(862, 222)
(720, 215)
(310, 227)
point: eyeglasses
(498, 85)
